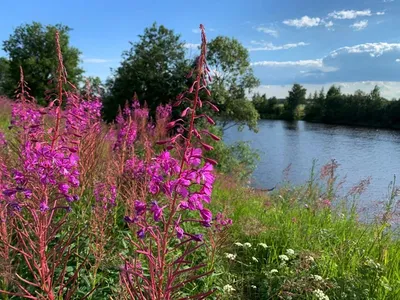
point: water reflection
(361, 152)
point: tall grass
(306, 246)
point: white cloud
(328, 24)
(192, 46)
(350, 14)
(316, 63)
(363, 62)
(96, 60)
(373, 49)
(380, 13)
(361, 25)
(304, 21)
(267, 30)
(263, 46)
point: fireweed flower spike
(43, 180)
(173, 189)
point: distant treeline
(360, 108)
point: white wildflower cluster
(253, 287)
(317, 277)
(290, 252)
(247, 245)
(238, 244)
(283, 257)
(263, 245)
(254, 259)
(228, 289)
(273, 271)
(320, 295)
(230, 256)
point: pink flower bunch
(167, 181)
(81, 116)
(164, 111)
(105, 195)
(45, 175)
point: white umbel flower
(283, 257)
(290, 252)
(228, 289)
(317, 278)
(320, 295)
(263, 245)
(230, 256)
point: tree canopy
(33, 47)
(4, 74)
(155, 68)
(297, 95)
(233, 80)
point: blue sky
(355, 44)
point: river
(361, 152)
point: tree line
(333, 106)
(155, 69)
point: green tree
(4, 74)
(297, 95)
(233, 80)
(33, 47)
(267, 108)
(154, 68)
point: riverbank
(292, 244)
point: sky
(354, 44)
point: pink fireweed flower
(105, 194)
(43, 206)
(3, 140)
(163, 112)
(63, 188)
(157, 211)
(193, 156)
(206, 215)
(140, 207)
(179, 231)
(221, 222)
(141, 233)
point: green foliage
(297, 95)
(4, 73)
(154, 68)
(359, 108)
(267, 108)
(33, 47)
(233, 79)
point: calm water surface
(361, 152)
